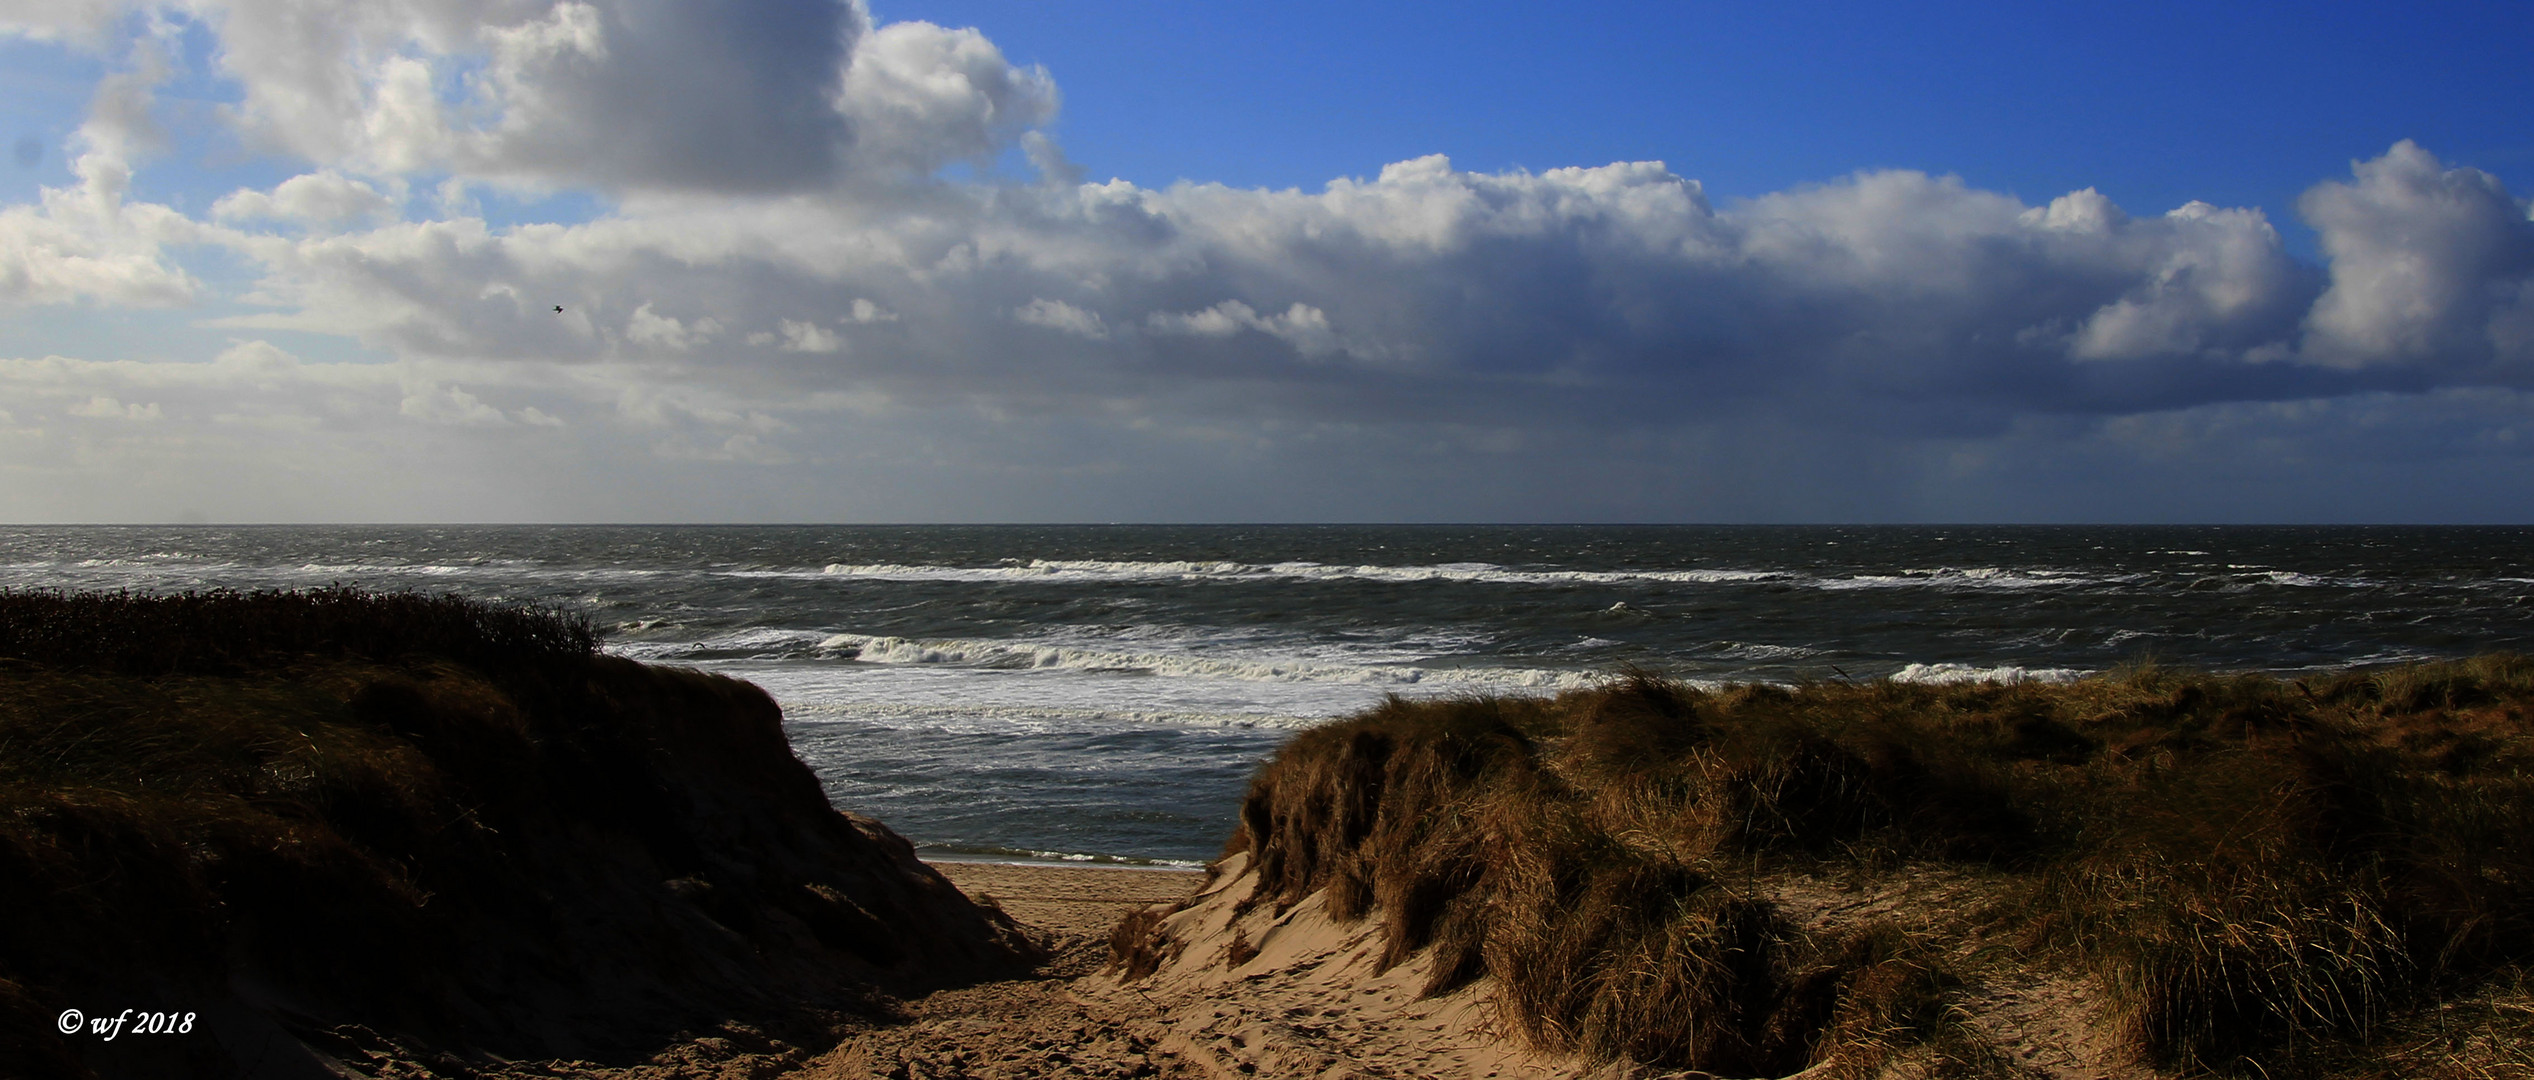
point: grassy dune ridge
(227, 631)
(382, 828)
(2328, 877)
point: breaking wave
(1014, 655)
(1951, 674)
(1101, 570)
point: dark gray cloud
(725, 96)
(719, 95)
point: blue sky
(1146, 261)
(2155, 104)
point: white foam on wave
(1952, 674)
(1028, 857)
(964, 716)
(1364, 644)
(780, 643)
(154, 560)
(141, 573)
(488, 567)
(2380, 658)
(1751, 650)
(146, 558)
(2257, 575)
(1992, 577)
(1025, 655)
(761, 641)
(1102, 570)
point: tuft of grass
(2262, 872)
(1137, 943)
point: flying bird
(558, 309)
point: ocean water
(1104, 692)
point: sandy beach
(1069, 900)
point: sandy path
(1309, 1004)
(1261, 993)
(1034, 1027)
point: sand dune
(1308, 1003)
(1248, 992)
(1297, 993)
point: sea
(1103, 693)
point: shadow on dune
(342, 829)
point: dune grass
(225, 631)
(441, 823)
(2267, 877)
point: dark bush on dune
(2265, 874)
(362, 828)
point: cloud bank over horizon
(839, 270)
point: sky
(960, 260)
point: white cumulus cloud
(101, 407)
(449, 405)
(2429, 265)
(1061, 316)
(323, 197)
(1302, 326)
(763, 263)
(808, 337)
(642, 327)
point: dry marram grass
(2325, 878)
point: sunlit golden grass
(2268, 876)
